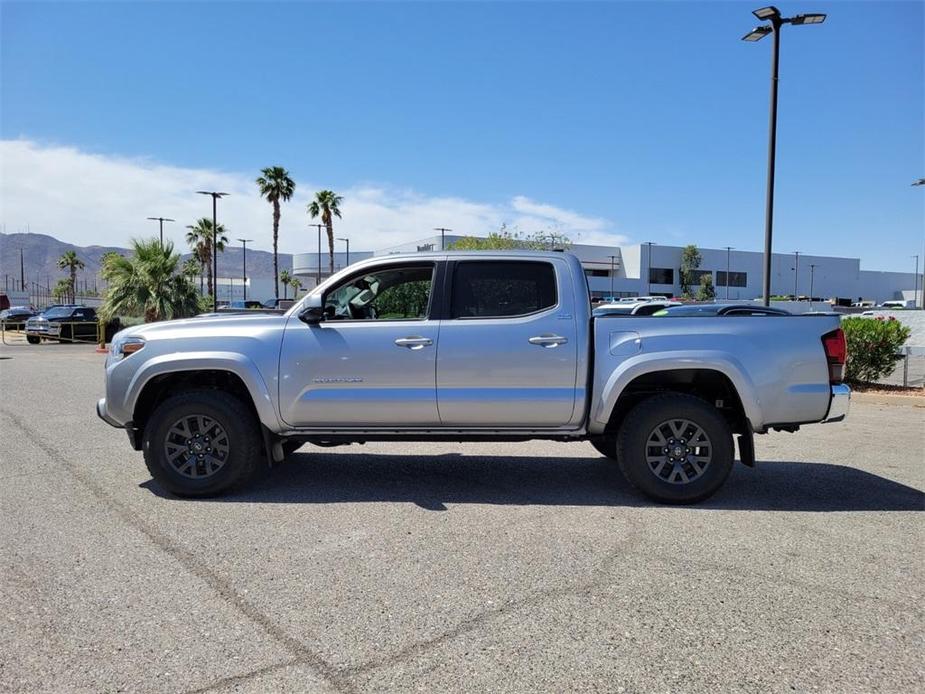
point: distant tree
(505, 239)
(199, 238)
(296, 285)
(285, 278)
(690, 262)
(70, 262)
(706, 291)
(192, 268)
(275, 185)
(327, 205)
(62, 290)
(149, 283)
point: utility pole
(812, 272)
(244, 243)
(22, 271)
(649, 267)
(161, 220)
(796, 274)
(915, 293)
(215, 197)
(347, 241)
(728, 251)
(442, 231)
(613, 260)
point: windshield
(57, 313)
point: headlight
(122, 347)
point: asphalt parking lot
(435, 567)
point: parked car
(279, 303)
(15, 317)
(470, 346)
(896, 304)
(63, 323)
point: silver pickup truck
(476, 346)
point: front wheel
(675, 448)
(201, 443)
(33, 340)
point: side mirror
(313, 313)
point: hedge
(873, 344)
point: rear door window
(502, 289)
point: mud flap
(747, 448)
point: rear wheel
(33, 339)
(201, 443)
(675, 448)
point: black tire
(606, 446)
(704, 448)
(33, 340)
(237, 441)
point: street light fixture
(613, 263)
(812, 272)
(162, 220)
(649, 267)
(796, 275)
(442, 231)
(244, 243)
(347, 241)
(772, 15)
(215, 196)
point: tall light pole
(776, 22)
(318, 275)
(649, 267)
(812, 272)
(22, 271)
(215, 196)
(244, 243)
(613, 263)
(728, 252)
(442, 231)
(921, 182)
(915, 292)
(161, 221)
(796, 274)
(347, 241)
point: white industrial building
(644, 269)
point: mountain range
(40, 254)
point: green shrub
(872, 347)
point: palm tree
(70, 262)
(327, 204)
(275, 185)
(284, 278)
(296, 285)
(150, 282)
(199, 238)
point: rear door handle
(548, 340)
(414, 342)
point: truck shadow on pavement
(433, 482)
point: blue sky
(646, 121)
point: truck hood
(208, 326)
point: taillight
(836, 352)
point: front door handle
(548, 340)
(414, 342)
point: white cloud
(85, 199)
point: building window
(661, 275)
(736, 279)
(697, 274)
(597, 273)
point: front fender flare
(238, 364)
